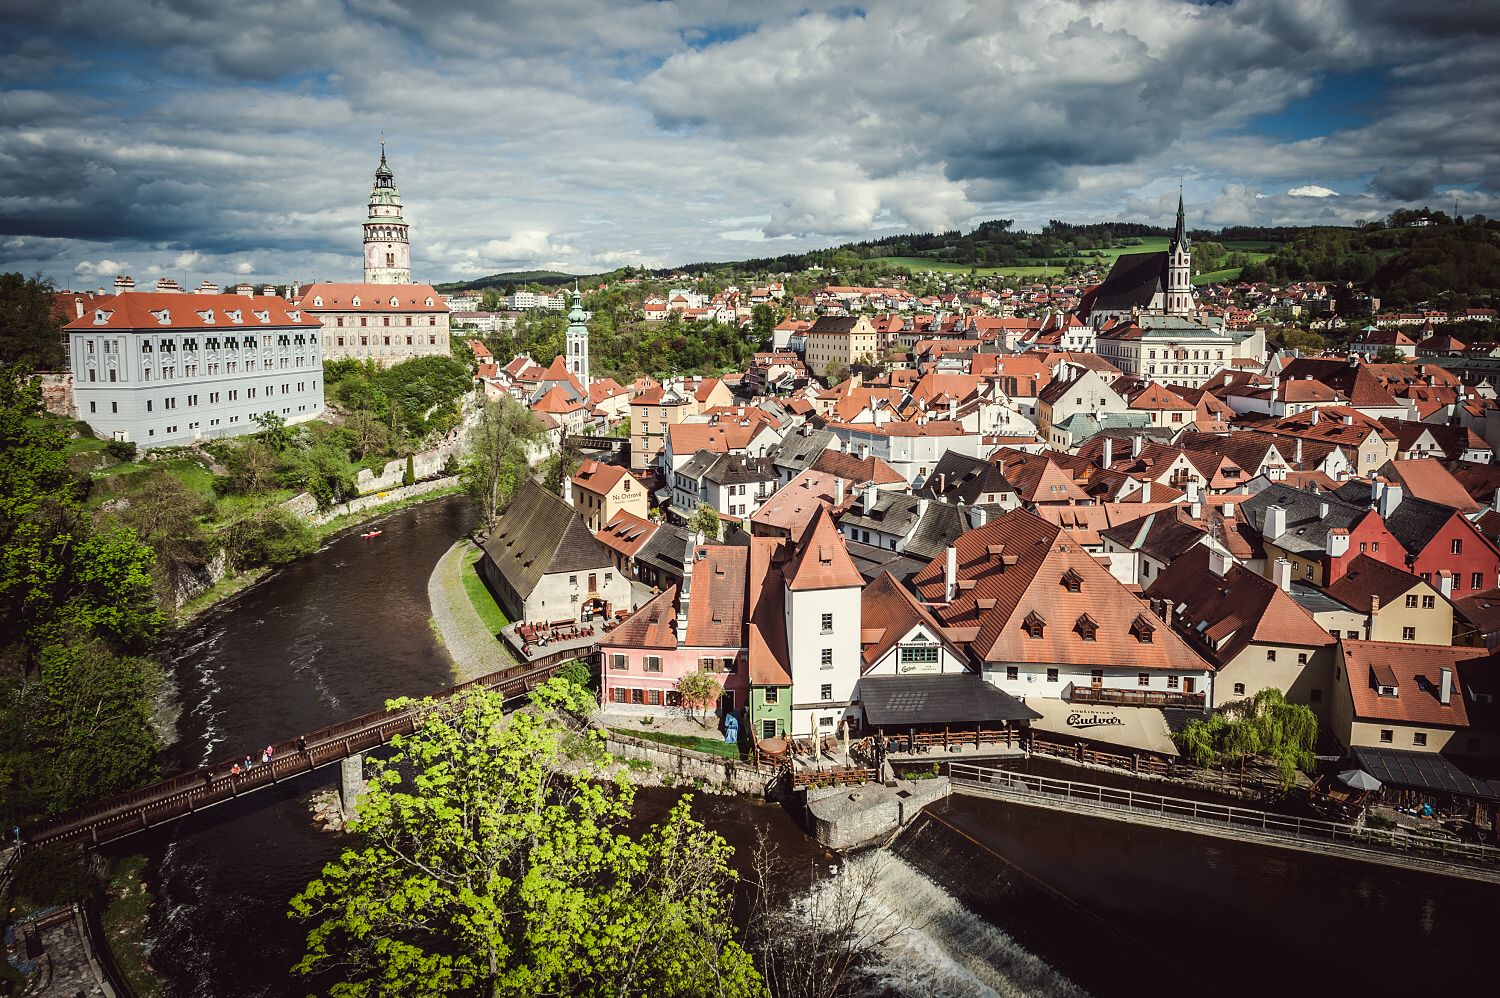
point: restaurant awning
(1143, 728)
(946, 698)
(1425, 771)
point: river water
(1118, 909)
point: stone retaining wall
(850, 816)
(728, 774)
(378, 499)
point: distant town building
(166, 369)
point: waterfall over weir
(942, 948)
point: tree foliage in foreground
(77, 610)
(492, 861)
(1263, 726)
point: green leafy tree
(30, 330)
(167, 515)
(272, 536)
(762, 322)
(498, 455)
(493, 861)
(273, 429)
(700, 692)
(705, 519)
(1264, 726)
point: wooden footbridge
(205, 787)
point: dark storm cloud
(585, 134)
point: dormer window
(263, 316)
(429, 303)
(207, 315)
(101, 315)
(355, 303)
(1034, 624)
(1086, 628)
(1142, 629)
(395, 302)
(163, 317)
(318, 301)
(295, 316)
(1072, 581)
(235, 315)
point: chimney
(1322, 510)
(1146, 490)
(1445, 584)
(1193, 494)
(1390, 498)
(1135, 446)
(1494, 502)
(950, 572)
(685, 593)
(870, 495)
(838, 491)
(1297, 453)
(1313, 419)
(1336, 543)
(123, 283)
(1108, 457)
(1281, 574)
(1218, 563)
(1445, 685)
(1275, 523)
(1348, 420)
(1227, 510)
(978, 517)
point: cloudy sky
(202, 139)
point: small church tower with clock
(1179, 268)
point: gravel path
(473, 649)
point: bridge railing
(215, 783)
(1091, 796)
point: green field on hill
(1256, 250)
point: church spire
(1179, 237)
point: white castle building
(168, 369)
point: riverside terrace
(537, 640)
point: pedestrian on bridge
(270, 752)
(302, 744)
(249, 764)
(234, 770)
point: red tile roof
(1416, 671)
(717, 609)
(149, 310)
(596, 477)
(651, 626)
(372, 298)
(821, 560)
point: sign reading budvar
(1093, 720)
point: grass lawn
(1217, 276)
(712, 746)
(479, 594)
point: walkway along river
(1115, 907)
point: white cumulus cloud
(1312, 191)
(102, 268)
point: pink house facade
(699, 627)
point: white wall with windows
(170, 387)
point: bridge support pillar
(351, 785)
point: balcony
(1133, 698)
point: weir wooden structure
(185, 793)
(1430, 854)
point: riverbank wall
(697, 768)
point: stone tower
(577, 342)
(1179, 268)
(387, 247)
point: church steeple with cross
(1180, 267)
(387, 240)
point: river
(1117, 908)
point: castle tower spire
(1180, 266)
(387, 239)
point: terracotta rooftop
(821, 561)
(1415, 671)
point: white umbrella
(1359, 779)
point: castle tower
(577, 342)
(387, 247)
(1179, 268)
